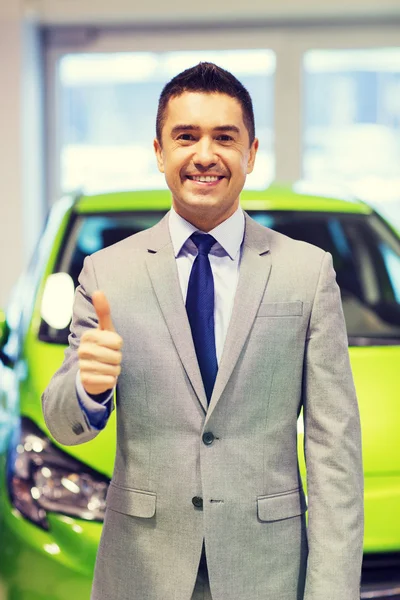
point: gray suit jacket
(286, 348)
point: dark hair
(207, 78)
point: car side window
(392, 264)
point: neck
(204, 222)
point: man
(225, 339)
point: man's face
(205, 156)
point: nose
(204, 156)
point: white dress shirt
(224, 258)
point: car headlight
(43, 478)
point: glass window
(86, 235)
(108, 111)
(366, 258)
(352, 122)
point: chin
(198, 202)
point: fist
(100, 351)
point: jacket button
(208, 438)
(77, 428)
(197, 502)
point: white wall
(21, 190)
(122, 11)
(11, 235)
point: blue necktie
(200, 311)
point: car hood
(376, 377)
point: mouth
(205, 180)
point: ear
(159, 155)
(252, 156)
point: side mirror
(4, 329)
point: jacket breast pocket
(137, 503)
(281, 309)
(281, 506)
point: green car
(52, 498)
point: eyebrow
(228, 128)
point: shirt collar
(229, 234)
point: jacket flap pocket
(281, 506)
(281, 309)
(137, 503)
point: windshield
(366, 258)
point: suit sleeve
(332, 445)
(67, 420)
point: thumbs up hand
(103, 311)
(100, 351)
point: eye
(224, 138)
(186, 137)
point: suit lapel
(253, 277)
(161, 265)
(254, 272)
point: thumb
(103, 311)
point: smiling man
(205, 150)
(226, 330)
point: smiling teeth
(206, 179)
